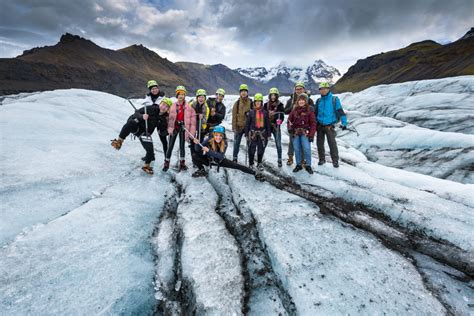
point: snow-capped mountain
(318, 72)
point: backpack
(338, 116)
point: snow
(446, 155)
(443, 104)
(209, 255)
(75, 218)
(328, 268)
(85, 231)
(96, 259)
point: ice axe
(352, 129)
(146, 138)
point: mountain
(418, 61)
(284, 76)
(75, 62)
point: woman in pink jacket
(182, 117)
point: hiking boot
(290, 161)
(117, 143)
(251, 166)
(335, 164)
(279, 163)
(147, 168)
(234, 160)
(199, 173)
(182, 165)
(166, 166)
(259, 177)
(309, 169)
(297, 168)
(260, 166)
(321, 162)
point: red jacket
(302, 117)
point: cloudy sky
(240, 33)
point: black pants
(330, 134)
(256, 144)
(134, 127)
(164, 141)
(201, 160)
(182, 138)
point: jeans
(301, 143)
(237, 140)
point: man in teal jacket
(329, 112)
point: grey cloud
(271, 30)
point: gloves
(344, 127)
(310, 139)
(279, 122)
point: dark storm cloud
(232, 31)
(317, 23)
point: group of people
(198, 123)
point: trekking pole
(246, 149)
(200, 126)
(192, 136)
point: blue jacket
(325, 114)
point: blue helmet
(219, 129)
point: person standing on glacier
(302, 125)
(328, 113)
(290, 105)
(182, 124)
(239, 117)
(276, 115)
(257, 131)
(217, 109)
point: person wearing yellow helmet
(239, 117)
(182, 117)
(276, 113)
(202, 113)
(299, 88)
(217, 109)
(212, 152)
(328, 113)
(257, 131)
(302, 124)
(143, 123)
(154, 95)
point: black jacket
(155, 119)
(220, 112)
(251, 119)
(279, 108)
